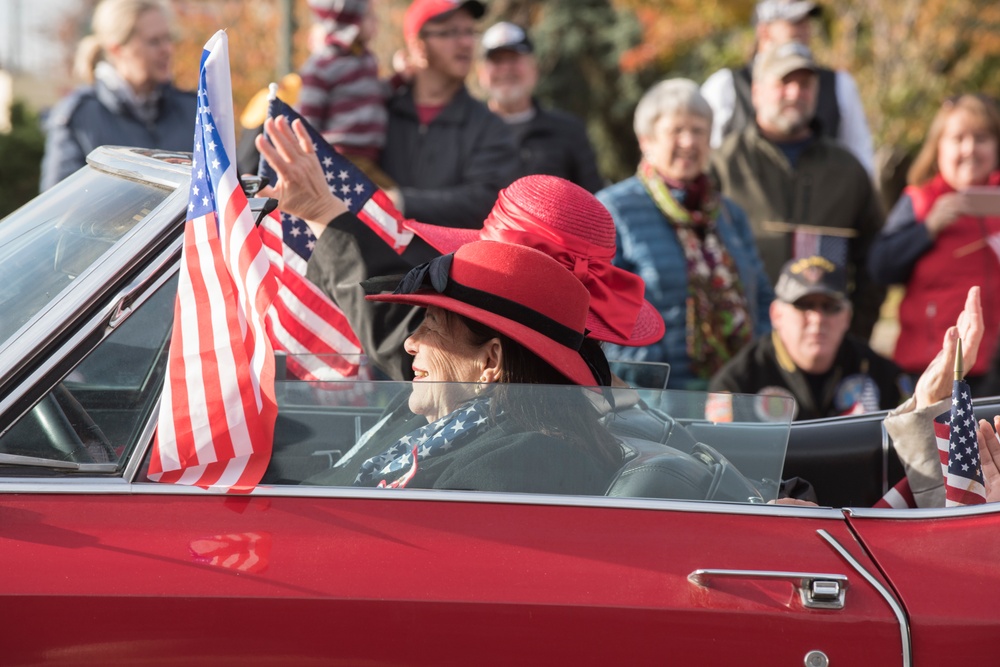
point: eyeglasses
(452, 33)
(823, 306)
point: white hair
(667, 98)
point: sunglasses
(823, 306)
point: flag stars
(358, 189)
(343, 175)
(328, 162)
(345, 189)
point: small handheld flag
(955, 432)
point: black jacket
(451, 170)
(826, 188)
(555, 143)
(94, 116)
(758, 366)
(500, 459)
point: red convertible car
(680, 561)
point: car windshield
(47, 244)
(530, 438)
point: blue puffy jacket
(93, 116)
(648, 246)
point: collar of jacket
(755, 138)
(454, 113)
(115, 103)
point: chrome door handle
(816, 590)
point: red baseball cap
(422, 11)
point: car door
(108, 573)
(99, 566)
(942, 565)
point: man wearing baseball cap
(809, 355)
(550, 141)
(803, 192)
(840, 114)
(449, 154)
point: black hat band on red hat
(434, 275)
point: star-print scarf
(445, 435)
(718, 321)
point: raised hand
(301, 189)
(989, 456)
(935, 383)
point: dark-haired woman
(476, 417)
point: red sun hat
(569, 224)
(421, 11)
(519, 291)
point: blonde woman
(941, 237)
(128, 98)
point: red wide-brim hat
(516, 290)
(570, 225)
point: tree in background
(22, 150)
(253, 43)
(597, 57)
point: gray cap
(781, 60)
(506, 36)
(785, 10)
(811, 275)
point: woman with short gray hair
(693, 247)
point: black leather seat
(653, 470)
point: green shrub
(20, 159)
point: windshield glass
(46, 244)
(531, 439)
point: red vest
(941, 278)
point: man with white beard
(804, 194)
(550, 141)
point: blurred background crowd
(699, 114)
(596, 58)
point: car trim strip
(897, 609)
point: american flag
(809, 243)
(955, 432)
(899, 497)
(217, 410)
(304, 320)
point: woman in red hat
(487, 327)
(544, 212)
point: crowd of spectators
(761, 177)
